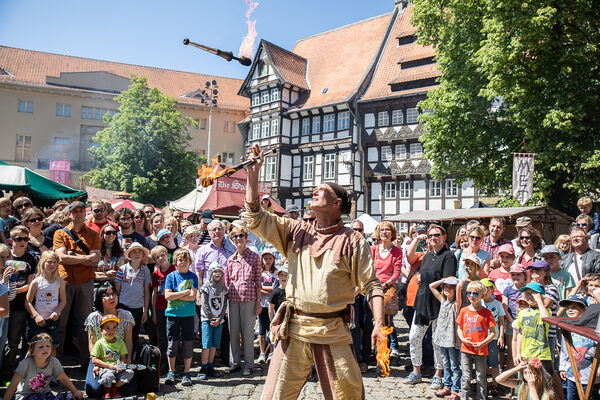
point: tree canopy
(144, 150)
(514, 71)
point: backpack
(148, 378)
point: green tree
(514, 71)
(144, 148)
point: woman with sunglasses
(530, 243)
(20, 205)
(141, 223)
(475, 236)
(111, 256)
(33, 219)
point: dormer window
(263, 69)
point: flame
(247, 46)
(207, 175)
(383, 352)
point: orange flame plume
(247, 46)
(383, 352)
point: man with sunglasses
(582, 260)
(326, 261)
(98, 220)
(18, 313)
(586, 223)
(128, 235)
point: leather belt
(320, 315)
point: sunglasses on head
(21, 239)
(474, 294)
(34, 220)
(98, 210)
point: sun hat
(136, 246)
(507, 248)
(267, 251)
(523, 221)
(577, 299)
(108, 318)
(450, 280)
(283, 268)
(190, 230)
(539, 264)
(487, 282)
(517, 269)
(536, 287)
(162, 233)
(472, 258)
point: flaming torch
(208, 180)
(383, 352)
(228, 55)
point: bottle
(17, 265)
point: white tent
(192, 201)
(369, 223)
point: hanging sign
(522, 180)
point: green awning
(41, 190)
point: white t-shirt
(575, 270)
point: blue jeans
(96, 390)
(363, 320)
(572, 391)
(452, 371)
(3, 335)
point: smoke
(247, 46)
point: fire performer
(326, 261)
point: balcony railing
(76, 165)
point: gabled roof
(388, 69)
(339, 59)
(290, 66)
(32, 67)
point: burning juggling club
(206, 182)
(224, 54)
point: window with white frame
(416, 150)
(451, 188)
(25, 106)
(61, 148)
(383, 118)
(264, 96)
(328, 123)
(397, 117)
(329, 166)
(270, 168)
(274, 127)
(274, 94)
(255, 99)
(390, 190)
(264, 132)
(435, 188)
(316, 125)
(305, 126)
(309, 168)
(404, 189)
(412, 114)
(400, 152)
(256, 131)
(87, 113)
(63, 110)
(386, 153)
(343, 120)
(23, 149)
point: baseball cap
(267, 251)
(473, 258)
(292, 208)
(540, 264)
(507, 248)
(487, 282)
(573, 299)
(162, 233)
(265, 197)
(283, 268)
(451, 280)
(549, 249)
(76, 204)
(421, 228)
(109, 318)
(523, 221)
(207, 216)
(517, 269)
(536, 287)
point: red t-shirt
(388, 268)
(158, 281)
(475, 326)
(90, 223)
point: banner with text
(229, 184)
(60, 171)
(522, 180)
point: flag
(522, 181)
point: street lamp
(209, 97)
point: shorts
(52, 328)
(492, 358)
(211, 336)
(180, 329)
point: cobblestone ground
(234, 386)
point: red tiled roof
(291, 66)
(388, 70)
(32, 67)
(339, 59)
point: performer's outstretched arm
(376, 304)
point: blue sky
(151, 32)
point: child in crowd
(561, 278)
(181, 289)
(446, 337)
(278, 294)
(214, 305)
(268, 279)
(106, 357)
(162, 268)
(539, 271)
(585, 206)
(46, 299)
(501, 275)
(474, 331)
(473, 269)
(133, 284)
(8, 291)
(585, 349)
(510, 295)
(32, 377)
(534, 381)
(588, 286)
(7, 221)
(521, 304)
(497, 344)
